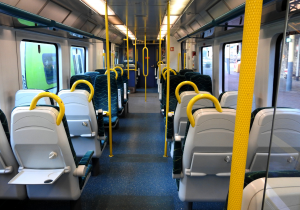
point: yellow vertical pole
(135, 54)
(104, 60)
(184, 64)
(252, 24)
(156, 55)
(159, 71)
(127, 46)
(178, 62)
(145, 75)
(168, 80)
(108, 82)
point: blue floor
(137, 177)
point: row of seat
(202, 152)
(47, 140)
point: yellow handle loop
(114, 71)
(164, 74)
(118, 67)
(197, 98)
(56, 98)
(145, 48)
(162, 71)
(87, 83)
(182, 84)
(160, 62)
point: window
(231, 66)
(289, 76)
(77, 60)
(206, 61)
(39, 66)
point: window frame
(277, 68)
(57, 59)
(85, 57)
(223, 62)
(201, 49)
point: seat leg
(96, 167)
(75, 205)
(188, 205)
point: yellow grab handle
(182, 84)
(164, 74)
(197, 98)
(87, 83)
(114, 71)
(56, 98)
(118, 67)
(147, 62)
(160, 62)
(162, 71)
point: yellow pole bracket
(145, 75)
(88, 84)
(118, 67)
(197, 98)
(182, 84)
(56, 98)
(113, 71)
(164, 75)
(252, 25)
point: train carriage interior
(150, 104)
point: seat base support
(188, 205)
(96, 167)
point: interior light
(121, 27)
(113, 19)
(172, 20)
(98, 6)
(164, 27)
(177, 6)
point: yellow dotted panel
(244, 103)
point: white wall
(10, 66)
(174, 54)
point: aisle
(138, 176)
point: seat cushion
(4, 123)
(203, 82)
(106, 120)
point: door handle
(152, 66)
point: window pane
(77, 60)
(207, 61)
(232, 63)
(39, 66)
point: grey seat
(229, 99)
(25, 96)
(285, 144)
(44, 151)
(8, 165)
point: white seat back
(24, 97)
(206, 160)
(229, 99)
(281, 193)
(285, 144)
(40, 146)
(82, 121)
(8, 167)
(180, 116)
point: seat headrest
(81, 86)
(24, 97)
(203, 82)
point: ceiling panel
(88, 26)
(10, 2)
(55, 12)
(217, 10)
(33, 6)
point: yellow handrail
(168, 79)
(61, 113)
(178, 61)
(164, 75)
(145, 48)
(114, 71)
(182, 84)
(165, 68)
(104, 54)
(197, 98)
(87, 83)
(108, 83)
(118, 67)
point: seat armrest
(5, 169)
(86, 158)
